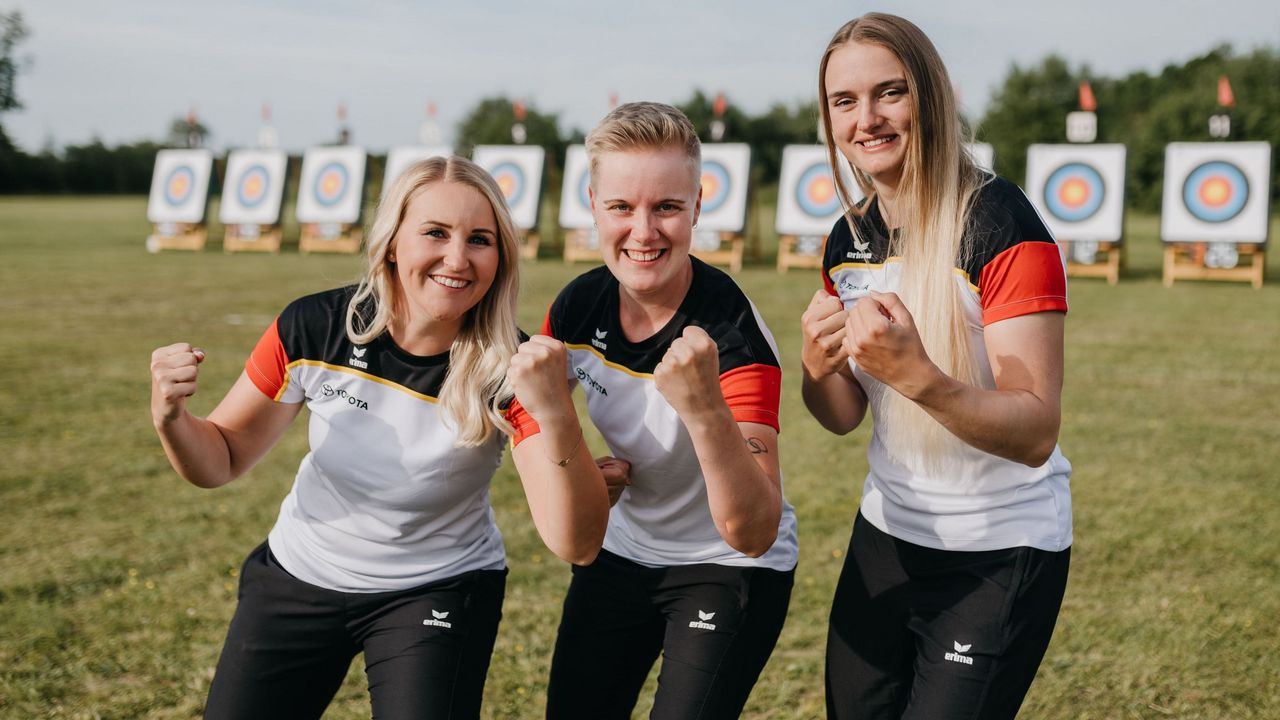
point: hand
(689, 374)
(617, 476)
(174, 369)
(823, 327)
(538, 374)
(881, 337)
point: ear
(697, 206)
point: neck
(887, 197)
(422, 336)
(643, 314)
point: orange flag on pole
(1225, 97)
(1087, 101)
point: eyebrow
(447, 226)
(674, 201)
(879, 86)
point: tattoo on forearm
(757, 447)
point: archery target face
(725, 171)
(807, 200)
(984, 155)
(180, 186)
(253, 188)
(332, 186)
(1216, 192)
(400, 158)
(517, 169)
(575, 203)
(1078, 190)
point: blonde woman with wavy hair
(386, 545)
(942, 312)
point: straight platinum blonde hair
(476, 384)
(644, 125)
(934, 200)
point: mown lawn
(117, 579)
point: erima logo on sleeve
(957, 657)
(701, 623)
(437, 619)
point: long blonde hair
(476, 384)
(934, 201)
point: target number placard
(1078, 190)
(180, 186)
(253, 188)
(518, 171)
(575, 203)
(726, 168)
(331, 189)
(808, 203)
(1216, 192)
(400, 158)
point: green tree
(1030, 107)
(12, 31)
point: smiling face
(645, 203)
(445, 255)
(871, 110)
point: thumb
(891, 307)
(199, 353)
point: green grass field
(117, 579)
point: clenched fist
(881, 337)
(689, 374)
(538, 376)
(174, 369)
(823, 327)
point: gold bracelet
(572, 452)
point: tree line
(1141, 110)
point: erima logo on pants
(957, 657)
(701, 623)
(437, 619)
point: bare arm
(567, 493)
(211, 452)
(739, 460)
(830, 392)
(1018, 420)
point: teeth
(639, 256)
(450, 282)
(874, 143)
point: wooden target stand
(1185, 261)
(528, 243)
(1108, 262)
(253, 238)
(330, 238)
(730, 251)
(177, 236)
(800, 251)
(581, 246)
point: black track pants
(715, 626)
(290, 644)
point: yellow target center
(179, 185)
(507, 185)
(253, 185)
(1074, 192)
(821, 190)
(1215, 191)
(710, 186)
(330, 184)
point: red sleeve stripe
(523, 423)
(753, 393)
(546, 325)
(1027, 278)
(267, 364)
(829, 286)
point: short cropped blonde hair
(644, 126)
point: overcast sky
(123, 70)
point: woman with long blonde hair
(943, 312)
(386, 545)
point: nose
(868, 116)
(455, 254)
(644, 227)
